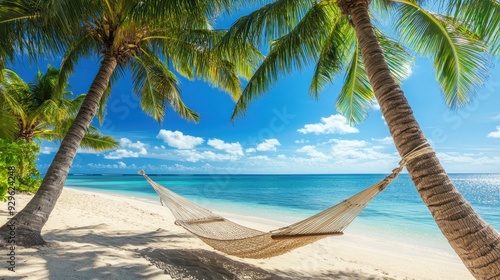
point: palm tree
(339, 35)
(37, 111)
(155, 40)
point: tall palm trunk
(28, 222)
(475, 241)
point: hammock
(237, 240)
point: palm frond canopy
(38, 110)
(157, 41)
(316, 33)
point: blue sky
(285, 131)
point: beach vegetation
(156, 41)
(39, 111)
(339, 37)
(20, 157)
(31, 112)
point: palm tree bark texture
(475, 241)
(31, 219)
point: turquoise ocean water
(397, 214)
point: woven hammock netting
(237, 240)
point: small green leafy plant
(22, 157)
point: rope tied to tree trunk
(418, 151)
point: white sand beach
(103, 236)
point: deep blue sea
(397, 214)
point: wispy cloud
(330, 125)
(195, 156)
(386, 140)
(230, 148)
(128, 149)
(47, 150)
(264, 158)
(495, 134)
(374, 105)
(301, 141)
(118, 165)
(268, 145)
(356, 150)
(177, 139)
(312, 152)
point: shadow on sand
(154, 247)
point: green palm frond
(156, 84)
(81, 48)
(245, 56)
(400, 62)
(12, 92)
(384, 7)
(291, 52)
(189, 14)
(48, 112)
(47, 133)
(101, 111)
(44, 87)
(7, 130)
(480, 16)
(333, 56)
(13, 11)
(192, 54)
(356, 95)
(39, 108)
(271, 21)
(117, 75)
(188, 50)
(93, 139)
(98, 142)
(72, 106)
(28, 26)
(459, 59)
(222, 74)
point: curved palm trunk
(475, 241)
(28, 222)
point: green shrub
(19, 158)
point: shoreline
(100, 235)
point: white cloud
(313, 153)
(469, 162)
(301, 141)
(250, 150)
(374, 105)
(495, 134)
(260, 158)
(230, 148)
(128, 149)
(386, 140)
(195, 156)
(268, 145)
(121, 153)
(497, 117)
(332, 124)
(126, 143)
(119, 165)
(47, 150)
(87, 151)
(356, 150)
(177, 139)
